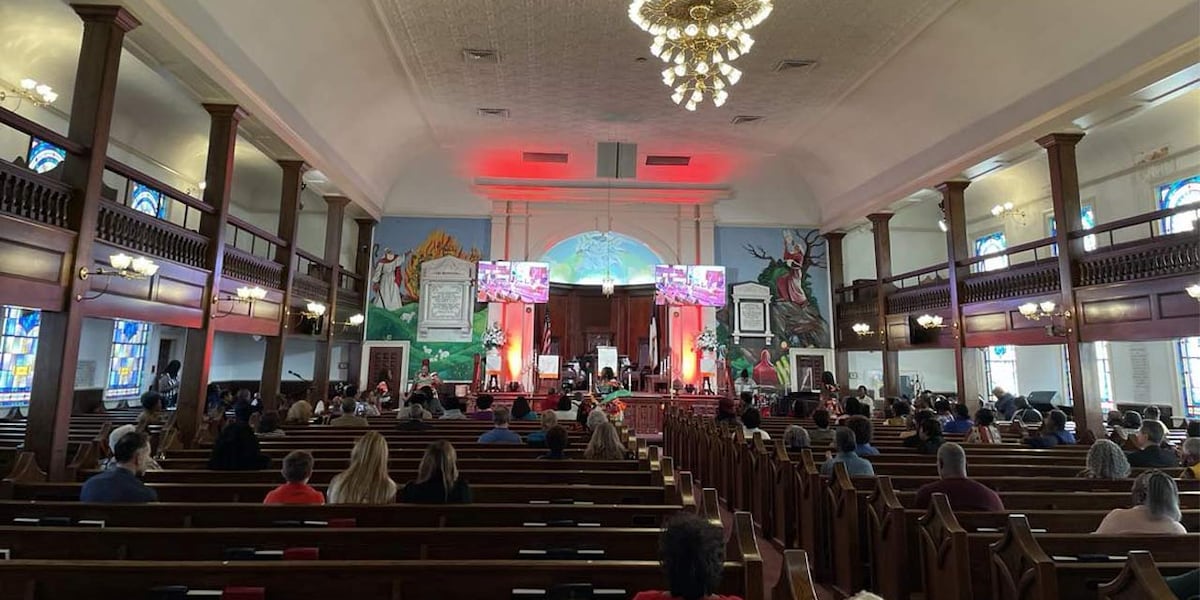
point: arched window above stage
(589, 257)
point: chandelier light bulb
(679, 58)
(680, 70)
(702, 68)
(28, 84)
(677, 97)
(357, 319)
(691, 105)
(697, 96)
(673, 33)
(712, 30)
(734, 76)
(1028, 309)
(120, 262)
(1047, 306)
(42, 89)
(996, 210)
(691, 30)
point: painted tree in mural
(796, 319)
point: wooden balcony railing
(125, 227)
(244, 266)
(1144, 259)
(307, 287)
(250, 238)
(29, 195)
(312, 266)
(1028, 279)
(30, 128)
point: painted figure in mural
(387, 280)
(764, 371)
(791, 284)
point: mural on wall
(402, 244)
(791, 263)
(587, 258)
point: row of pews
(864, 532)
(537, 529)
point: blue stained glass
(1180, 193)
(146, 199)
(19, 347)
(44, 156)
(128, 358)
(992, 243)
(1088, 216)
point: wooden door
(390, 359)
(807, 371)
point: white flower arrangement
(707, 340)
(493, 337)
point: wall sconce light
(37, 94)
(355, 320)
(1194, 291)
(1046, 310)
(123, 266)
(314, 310)
(246, 294)
(862, 329)
(1008, 211)
(930, 321)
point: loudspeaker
(616, 160)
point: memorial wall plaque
(447, 300)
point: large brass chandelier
(699, 39)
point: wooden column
(883, 270)
(197, 352)
(104, 29)
(289, 220)
(966, 360)
(335, 214)
(841, 359)
(1064, 192)
(362, 266)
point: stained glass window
(991, 244)
(1000, 364)
(146, 199)
(18, 348)
(1189, 373)
(1104, 368)
(128, 358)
(1183, 192)
(44, 156)
(1088, 216)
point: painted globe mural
(589, 257)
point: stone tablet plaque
(447, 300)
(752, 312)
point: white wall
(1146, 372)
(934, 366)
(95, 346)
(236, 357)
(865, 368)
(1041, 368)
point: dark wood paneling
(579, 311)
(985, 322)
(1117, 310)
(34, 260)
(1154, 309)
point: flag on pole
(654, 341)
(546, 333)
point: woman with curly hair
(693, 554)
(1106, 460)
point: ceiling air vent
(794, 65)
(493, 113)
(544, 157)
(746, 119)
(480, 56)
(667, 161)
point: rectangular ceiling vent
(794, 65)
(493, 113)
(544, 157)
(667, 161)
(746, 119)
(481, 56)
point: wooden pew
(795, 579)
(1140, 578)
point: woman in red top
(297, 469)
(693, 554)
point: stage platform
(643, 411)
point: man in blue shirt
(1005, 402)
(962, 421)
(856, 466)
(500, 433)
(120, 482)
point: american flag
(546, 333)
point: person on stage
(608, 382)
(829, 394)
(426, 378)
(570, 377)
(744, 383)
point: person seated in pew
(692, 551)
(595, 419)
(537, 439)
(299, 414)
(1054, 432)
(929, 437)
(370, 404)
(1155, 508)
(1005, 403)
(822, 436)
(963, 493)
(297, 470)
(845, 443)
(1193, 428)
(437, 479)
(899, 417)
(726, 413)
(1124, 432)
(415, 418)
(1150, 452)
(985, 430)
(941, 409)
(115, 436)
(605, 444)
(268, 425)
(850, 407)
(521, 410)
(366, 480)
(550, 402)
(418, 400)
(236, 447)
(454, 409)
(752, 424)
(863, 431)
(1151, 413)
(961, 423)
(152, 411)
(500, 433)
(1105, 460)
(483, 408)
(911, 437)
(568, 407)
(556, 442)
(348, 418)
(795, 438)
(120, 484)
(1190, 457)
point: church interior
(647, 299)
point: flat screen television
(505, 281)
(689, 285)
